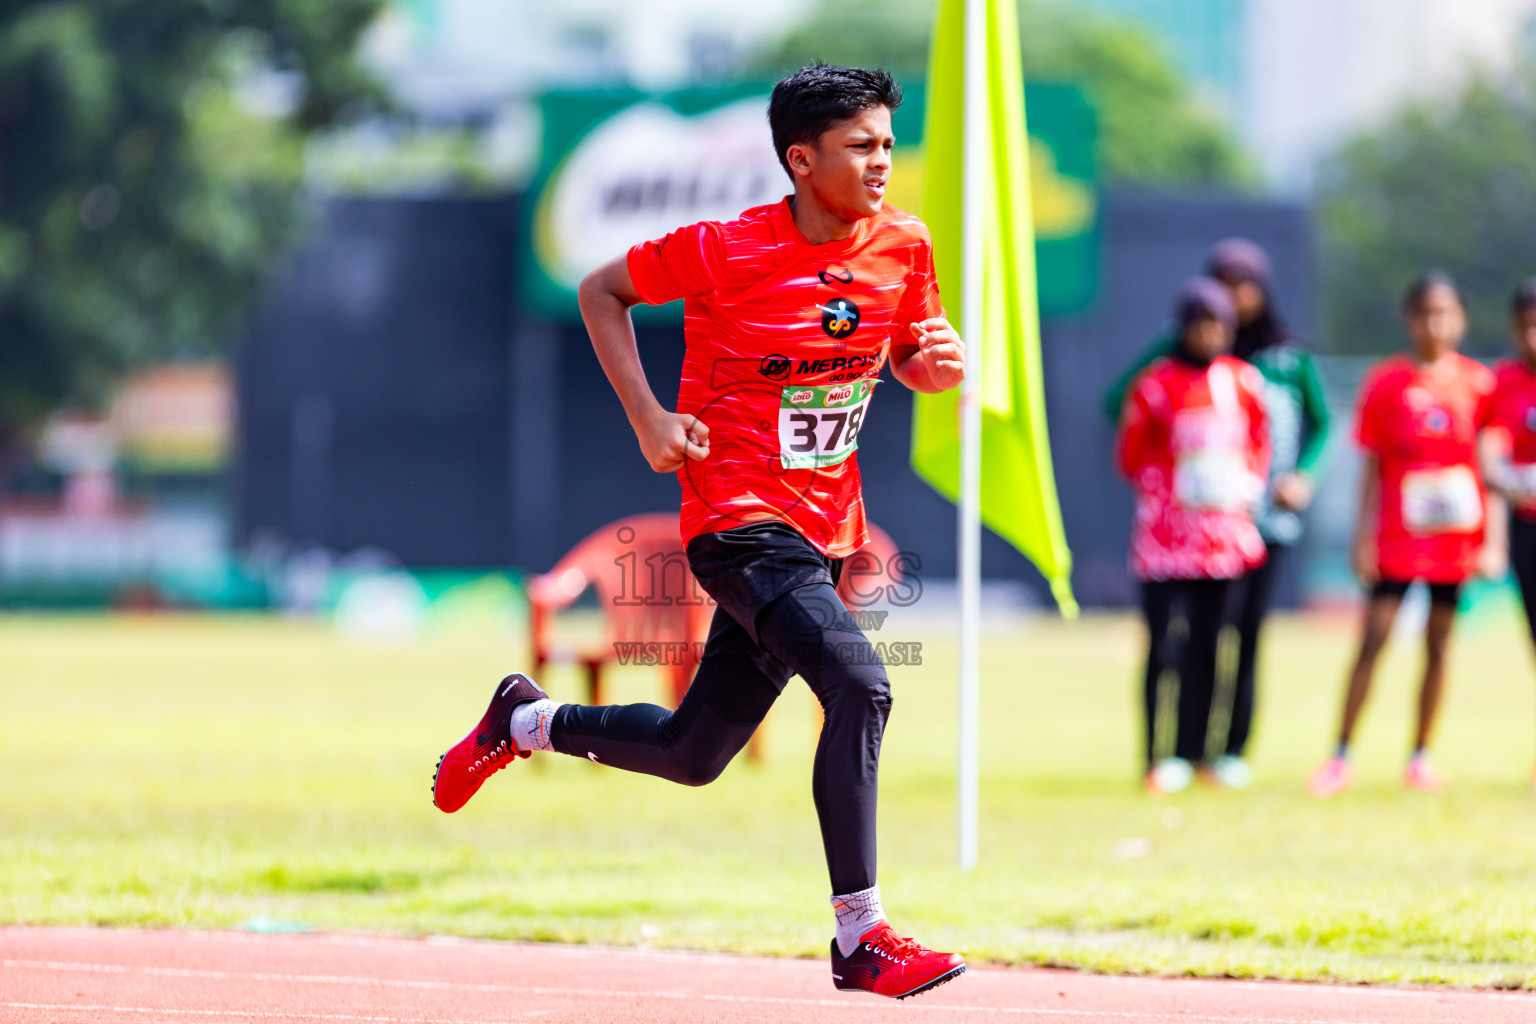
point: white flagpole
(969, 554)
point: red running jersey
(1421, 423)
(1514, 418)
(1194, 442)
(785, 341)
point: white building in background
(1298, 77)
(467, 70)
(442, 55)
(1295, 78)
(1319, 70)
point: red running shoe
(888, 964)
(486, 750)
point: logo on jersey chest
(845, 367)
(774, 367)
(839, 318)
(1437, 422)
(834, 276)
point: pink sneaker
(1421, 775)
(1332, 777)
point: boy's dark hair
(809, 101)
(1423, 283)
(1525, 297)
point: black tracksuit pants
(1252, 598)
(1184, 622)
(779, 616)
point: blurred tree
(1150, 130)
(150, 170)
(1446, 186)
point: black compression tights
(806, 632)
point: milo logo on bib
(819, 425)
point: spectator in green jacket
(1298, 430)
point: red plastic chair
(645, 592)
(872, 568)
(648, 596)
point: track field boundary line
(669, 955)
(671, 995)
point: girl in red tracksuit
(1194, 443)
(1422, 506)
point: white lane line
(1366, 989)
(307, 979)
(433, 943)
(590, 993)
(243, 1014)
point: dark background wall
(393, 395)
(373, 385)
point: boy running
(790, 312)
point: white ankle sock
(530, 724)
(857, 913)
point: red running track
(109, 976)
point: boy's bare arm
(666, 438)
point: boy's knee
(879, 691)
(700, 768)
(700, 773)
(703, 764)
(866, 688)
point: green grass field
(217, 772)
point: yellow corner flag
(1018, 485)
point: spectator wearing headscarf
(1299, 425)
(1194, 444)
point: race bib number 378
(819, 424)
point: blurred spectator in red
(1422, 514)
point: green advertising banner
(621, 166)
